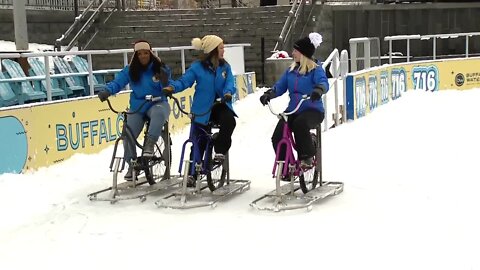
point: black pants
(222, 116)
(300, 124)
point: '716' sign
(425, 78)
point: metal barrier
(289, 24)
(90, 72)
(338, 63)
(367, 56)
(390, 39)
(127, 4)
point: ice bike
(288, 196)
(202, 171)
(155, 170)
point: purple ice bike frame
(194, 138)
(197, 156)
(288, 141)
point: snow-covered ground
(410, 202)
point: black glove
(317, 93)
(103, 95)
(265, 98)
(227, 97)
(168, 91)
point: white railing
(367, 57)
(390, 39)
(90, 72)
(338, 68)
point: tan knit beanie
(207, 44)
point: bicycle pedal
(219, 158)
(191, 182)
(306, 167)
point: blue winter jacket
(298, 85)
(210, 84)
(147, 85)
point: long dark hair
(136, 68)
(211, 59)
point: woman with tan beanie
(214, 79)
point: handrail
(295, 18)
(286, 27)
(87, 24)
(58, 42)
(390, 39)
(366, 41)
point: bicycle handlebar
(193, 115)
(283, 114)
(148, 98)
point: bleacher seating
(81, 65)
(24, 90)
(38, 69)
(73, 83)
(7, 96)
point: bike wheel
(159, 165)
(217, 172)
(309, 178)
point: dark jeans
(300, 124)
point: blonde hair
(306, 65)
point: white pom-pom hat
(307, 45)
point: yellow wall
(42, 134)
(369, 89)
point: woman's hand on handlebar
(103, 95)
(168, 91)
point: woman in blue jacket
(214, 79)
(303, 77)
(147, 75)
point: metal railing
(338, 63)
(86, 25)
(289, 24)
(126, 4)
(48, 4)
(47, 77)
(367, 57)
(434, 38)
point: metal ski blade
(191, 198)
(325, 190)
(287, 200)
(127, 191)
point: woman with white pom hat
(304, 77)
(214, 79)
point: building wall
(44, 26)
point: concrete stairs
(165, 28)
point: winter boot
(219, 158)
(191, 181)
(307, 163)
(148, 147)
(129, 175)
